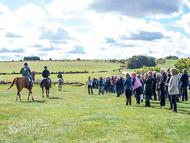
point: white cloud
(3, 8)
(140, 37)
(184, 22)
(66, 9)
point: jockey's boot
(50, 86)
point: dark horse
(45, 83)
(22, 82)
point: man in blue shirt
(184, 79)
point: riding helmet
(45, 67)
(25, 64)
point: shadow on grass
(54, 98)
(182, 111)
(32, 101)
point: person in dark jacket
(121, 81)
(162, 85)
(166, 86)
(142, 93)
(101, 86)
(109, 83)
(148, 87)
(128, 89)
(118, 86)
(46, 74)
(184, 79)
(154, 85)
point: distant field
(168, 64)
(70, 66)
(53, 66)
(68, 77)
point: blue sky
(94, 29)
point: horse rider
(45, 74)
(25, 71)
(59, 75)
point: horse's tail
(13, 83)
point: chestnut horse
(45, 83)
(22, 82)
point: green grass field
(7, 67)
(73, 116)
(168, 64)
(69, 66)
(55, 66)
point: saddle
(27, 78)
(42, 81)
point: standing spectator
(114, 80)
(128, 89)
(148, 87)
(106, 84)
(118, 86)
(137, 87)
(158, 76)
(173, 88)
(121, 80)
(162, 85)
(89, 83)
(109, 83)
(101, 86)
(142, 93)
(97, 84)
(154, 85)
(184, 79)
(167, 82)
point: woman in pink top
(137, 87)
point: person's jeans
(184, 91)
(31, 79)
(174, 104)
(90, 88)
(49, 80)
(128, 93)
(147, 97)
(138, 93)
(97, 86)
(169, 97)
(162, 97)
(118, 92)
(101, 90)
(154, 92)
(106, 88)
(113, 88)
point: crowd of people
(166, 84)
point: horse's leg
(46, 93)
(31, 95)
(18, 94)
(43, 92)
(28, 94)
